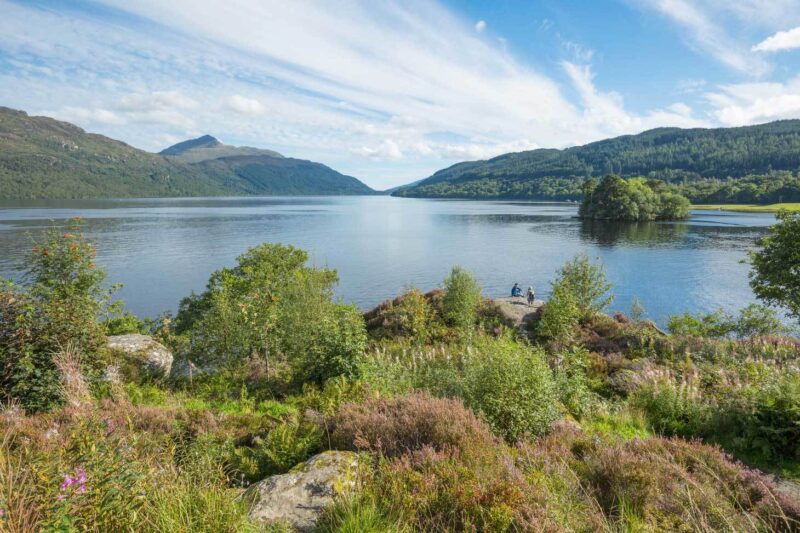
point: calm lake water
(162, 249)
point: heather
(462, 420)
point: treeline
(711, 157)
(775, 187)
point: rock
(154, 356)
(517, 311)
(298, 498)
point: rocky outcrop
(153, 356)
(298, 498)
(517, 311)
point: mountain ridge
(41, 157)
(668, 153)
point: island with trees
(633, 199)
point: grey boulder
(154, 357)
(298, 497)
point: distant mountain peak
(207, 147)
(206, 141)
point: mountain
(671, 154)
(44, 158)
(263, 172)
(207, 147)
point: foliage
(587, 281)
(572, 382)
(462, 296)
(512, 388)
(288, 443)
(393, 427)
(753, 321)
(60, 306)
(560, 315)
(634, 199)
(775, 277)
(272, 307)
(410, 315)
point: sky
(390, 92)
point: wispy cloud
(369, 86)
(705, 31)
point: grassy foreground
(749, 208)
(581, 422)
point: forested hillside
(700, 161)
(44, 158)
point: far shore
(749, 208)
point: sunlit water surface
(163, 249)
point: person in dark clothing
(531, 296)
(515, 290)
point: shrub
(572, 381)
(462, 296)
(410, 315)
(512, 388)
(560, 316)
(290, 442)
(758, 321)
(272, 307)
(403, 424)
(753, 321)
(59, 307)
(587, 282)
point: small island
(634, 199)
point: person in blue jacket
(515, 290)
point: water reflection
(611, 233)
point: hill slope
(44, 158)
(671, 154)
(257, 171)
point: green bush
(512, 388)
(59, 308)
(462, 296)
(560, 316)
(587, 282)
(572, 381)
(290, 442)
(753, 321)
(271, 307)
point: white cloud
(244, 105)
(364, 84)
(480, 26)
(751, 103)
(387, 150)
(783, 40)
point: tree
(59, 307)
(775, 277)
(632, 199)
(462, 296)
(271, 306)
(587, 281)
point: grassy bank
(750, 208)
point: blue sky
(392, 91)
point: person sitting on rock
(531, 296)
(516, 291)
